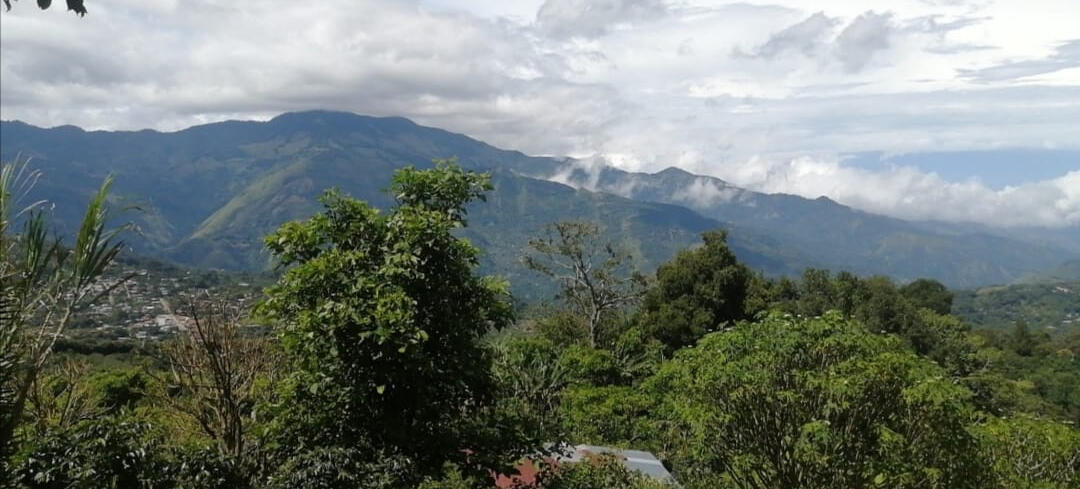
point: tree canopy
(819, 402)
(697, 292)
(382, 314)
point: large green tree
(818, 402)
(382, 314)
(697, 292)
(929, 294)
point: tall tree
(1022, 340)
(382, 314)
(696, 293)
(44, 282)
(593, 275)
(817, 292)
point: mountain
(839, 236)
(209, 193)
(1067, 272)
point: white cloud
(1065, 56)
(806, 37)
(864, 37)
(588, 18)
(910, 193)
(645, 84)
(704, 192)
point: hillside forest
(378, 356)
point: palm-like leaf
(43, 284)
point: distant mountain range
(209, 193)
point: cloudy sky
(963, 110)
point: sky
(954, 110)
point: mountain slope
(1050, 306)
(834, 234)
(208, 203)
(209, 193)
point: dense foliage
(698, 292)
(819, 402)
(382, 315)
(393, 364)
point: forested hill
(1047, 302)
(209, 194)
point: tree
(382, 316)
(213, 373)
(73, 5)
(929, 294)
(339, 468)
(592, 275)
(818, 402)
(608, 415)
(1022, 340)
(697, 292)
(1030, 453)
(817, 293)
(44, 283)
(943, 339)
(881, 308)
(63, 399)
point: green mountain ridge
(209, 193)
(960, 255)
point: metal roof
(638, 460)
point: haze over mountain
(209, 193)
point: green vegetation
(43, 284)
(393, 363)
(821, 402)
(383, 316)
(1044, 306)
(697, 292)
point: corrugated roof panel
(638, 460)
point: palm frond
(95, 245)
(17, 180)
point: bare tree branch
(593, 276)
